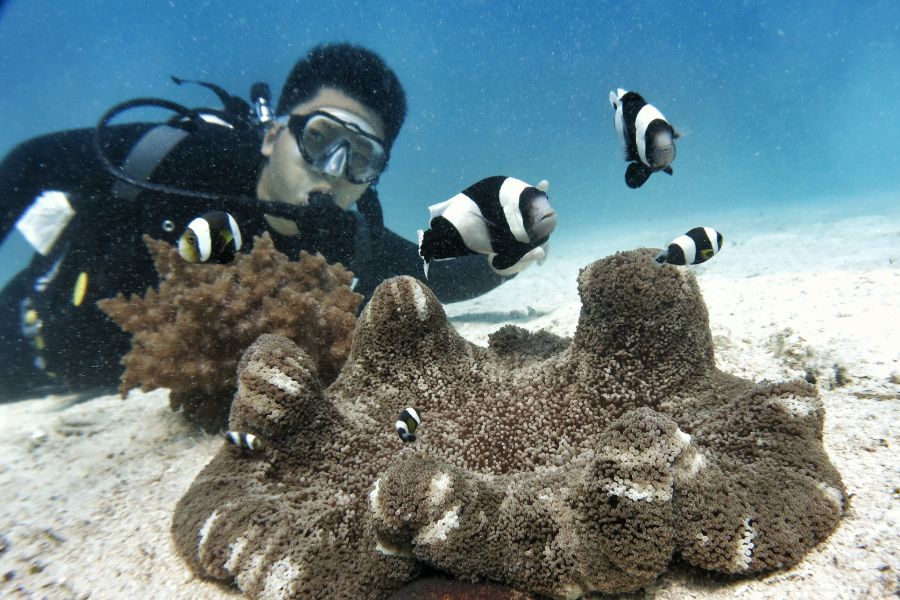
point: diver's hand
(327, 228)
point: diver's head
(340, 111)
(358, 73)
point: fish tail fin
(420, 236)
(636, 175)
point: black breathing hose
(270, 207)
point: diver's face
(288, 177)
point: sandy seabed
(88, 486)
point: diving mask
(338, 143)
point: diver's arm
(451, 280)
(64, 161)
(21, 179)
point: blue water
(779, 102)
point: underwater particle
(407, 423)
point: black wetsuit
(46, 340)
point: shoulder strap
(145, 156)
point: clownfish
(501, 217)
(244, 441)
(212, 237)
(694, 247)
(407, 423)
(647, 136)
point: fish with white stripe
(213, 237)
(647, 136)
(407, 423)
(694, 247)
(243, 440)
(502, 217)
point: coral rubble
(584, 466)
(189, 335)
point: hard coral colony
(583, 469)
(189, 335)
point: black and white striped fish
(647, 136)
(502, 217)
(407, 423)
(694, 247)
(211, 237)
(244, 441)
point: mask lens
(319, 135)
(323, 134)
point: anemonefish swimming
(694, 247)
(648, 138)
(502, 217)
(407, 423)
(212, 237)
(244, 441)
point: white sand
(87, 490)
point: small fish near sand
(694, 247)
(502, 217)
(407, 423)
(647, 136)
(213, 237)
(245, 441)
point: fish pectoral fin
(636, 175)
(668, 171)
(545, 251)
(507, 265)
(502, 261)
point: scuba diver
(305, 173)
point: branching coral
(581, 467)
(189, 335)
